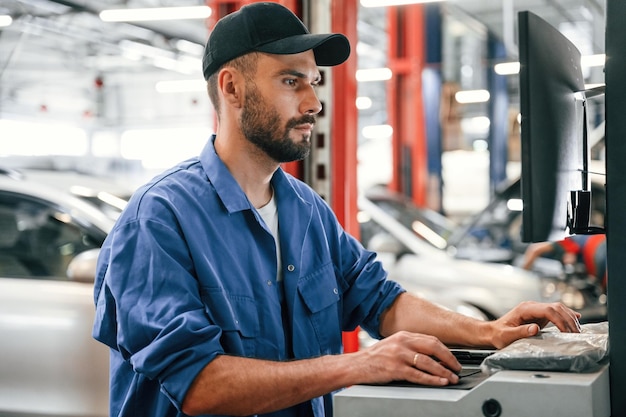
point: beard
(261, 125)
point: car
(109, 195)
(419, 264)
(50, 363)
(494, 233)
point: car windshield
(110, 204)
(495, 227)
(108, 195)
(40, 239)
(494, 234)
(428, 224)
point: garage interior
(124, 100)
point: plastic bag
(552, 350)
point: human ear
(231, 87)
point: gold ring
(415, 359)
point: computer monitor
(554, 151)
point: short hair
(246, 64)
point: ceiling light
(363, 103)
(5, 20)
(511, 68)
(377, 132)
(155, 13)
(507, 68)
(373, 74)
(191, 48)
(382, 3)
(515, 204)
(597, 60)
(472, 96)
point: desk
(506, 393)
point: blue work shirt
(189, 273)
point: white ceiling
(500, 16)
(55, 50)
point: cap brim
(329, 49)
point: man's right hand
(406, 356)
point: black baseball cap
(270, 28)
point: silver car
(419, 264)
(49, 363)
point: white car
(419, 265)
(49, 363)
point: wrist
(485, 334)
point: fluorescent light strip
(507, 68)
(383, 3)
(373, 74)
(597, 60)
(5, 20)
(155, 13)
(472, 96)
(511, 68)
(377, 131)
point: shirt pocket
(320, 294)
(238, 318)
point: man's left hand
(529, 317)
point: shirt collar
(226, 187)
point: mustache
(307, 118)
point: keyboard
(472, 357)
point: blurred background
(127, 98)
(418, 152)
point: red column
(344, 133)
(345, 121)
(405, 105)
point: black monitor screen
(552, 128)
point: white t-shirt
(269, 214)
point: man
(226, 283)
(588, 250)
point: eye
(292, 82)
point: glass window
(38, 239)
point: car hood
(493, 288)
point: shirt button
(269, 283)
(335, 291)
(291, 268)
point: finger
(565, 319)
(434, 368)
(446, 359)
(438, 352)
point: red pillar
(345, 121)
(405, 103)
(344, 133)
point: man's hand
(231, 385)
(527, 318)
(406, 356)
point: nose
(311, 103)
